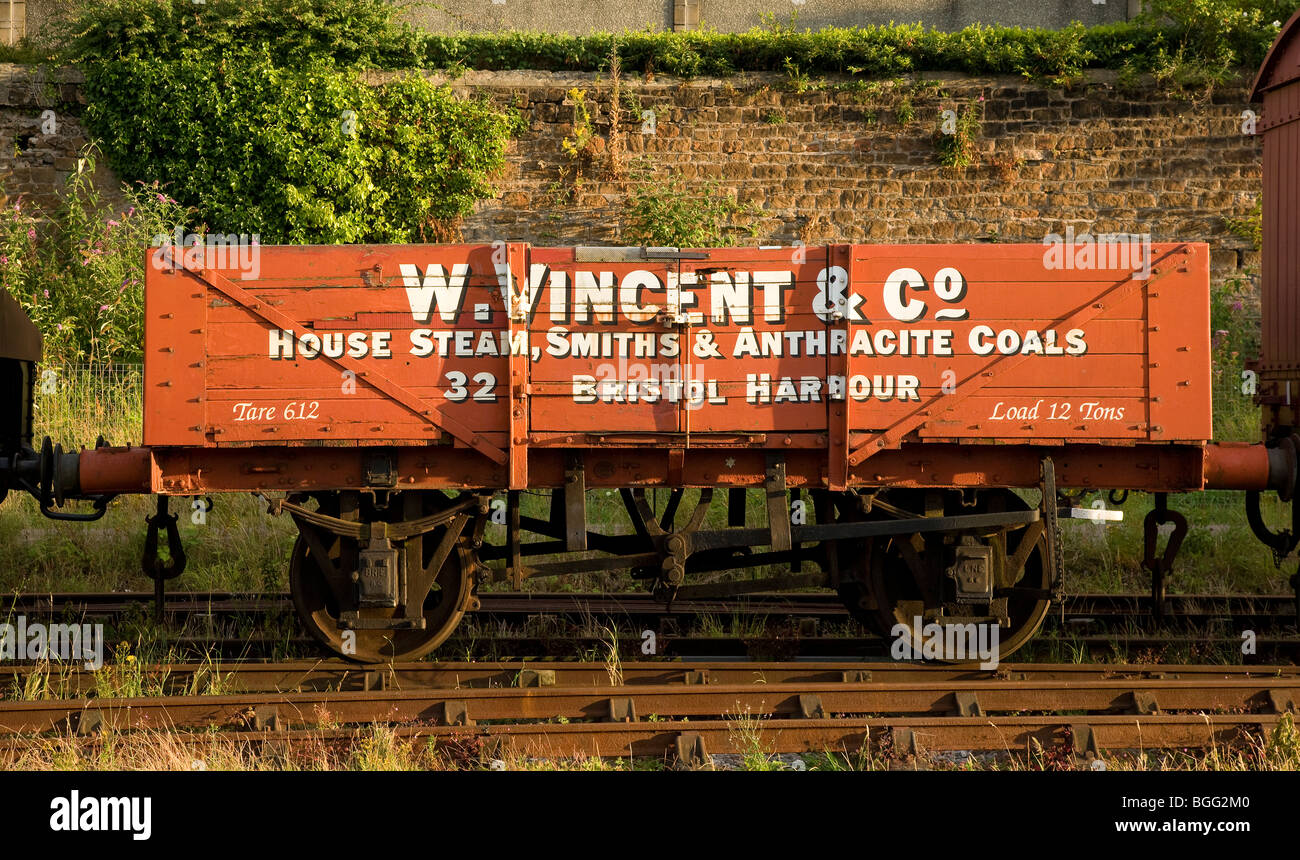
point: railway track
(336, 675)
(1048, 742)
(519, 607)
(762, 626)
(650, 709)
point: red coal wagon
(382, 395)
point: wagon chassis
(383, 574)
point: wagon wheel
(318, 605)
(892, 593)
(854, 558)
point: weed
(613, 661)
(745, 732)
(954, 140)
(669, 214)
(1250, 227)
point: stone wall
(842, 163)
(837, 162)
(42, 136)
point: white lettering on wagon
(1058, 411)
(437, 289)
(329, 344)
(648, 334)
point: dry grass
(383, 748)
(372, 748)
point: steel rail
(902, 737)
(451, 706)
(638, 604)
(254, 676)
(905, 739)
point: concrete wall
(582, 16)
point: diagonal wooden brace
(891, 437)
(428, 412)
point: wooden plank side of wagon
(1095, 389)
(338, 345)
(175, 357)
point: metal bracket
(514, 535)
(968, 704)
(537, 678)
(379, 469)
(778, 503)
(456, 713)
(1144, 703)
(632, 254)
(575, 503)
(154, 568)
(690, 750)
(1161, 566)
(1085, 742)
(972, 572)
(621, 710)
(265, 718)
(377, 570)
(905, 743)
(1282, 542)
(1052, 530)
(810, 707)
(1282, 701)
